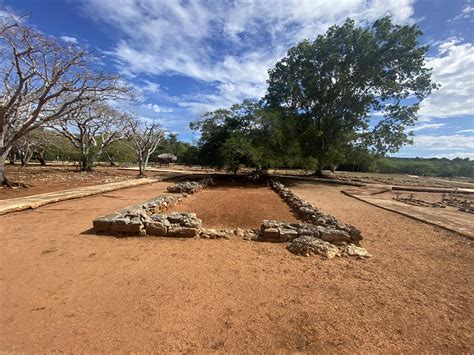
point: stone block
(126, 225)
(156, 228)
(287, 234)
(271, 234)
(333, 235)
(182, 232)
(176, 217)
(101, 225)
(354, 250)
(191, 222)
(307, 246)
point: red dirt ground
(65, 290)
(236, 207)
(43, 179)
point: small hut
(166, 158)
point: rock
(190, 187)
(306, 246)
(251, 234)
(101, 225)
(354, 250)
(161, 218)
(126, 225)
(176, 217)
(181, 232)
(333, 235)
(271, 234)
(239, 233)
(215, 234)
(266, 224)
(354, 233)
(157, 228)
(192, 222)
(287, 234)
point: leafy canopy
(334, 83)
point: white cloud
(228, 44)
(466, 131)
(427, 126)
(69, 39)
(151, 87)
(444, 143)
(158, 108)
(453, 69)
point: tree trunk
(25, 159)
(110, 159)
(319, 171)
(3, 178)
(40, 157)
(12, 157)
(141, 169)
(85, 163)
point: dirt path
(65, 290)
(51, 178)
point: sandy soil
(43, 179)
(236, 207)
(65, 290)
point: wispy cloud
(69, 39)
(230, 45)
(445, 142)
(465, 14)
(427, 126)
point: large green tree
(333, 85)
(247, 134)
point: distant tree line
(441, 167)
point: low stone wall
(190, 187)
(131, 220)
(322, 233)
(175, 224)
(312, 215)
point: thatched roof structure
(167, 156)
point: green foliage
(425, 167)
(238, 150)
(332, 84)
(173, 145)
(248, 134)
(119, 152)
(60, 149)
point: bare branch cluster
(42, 80)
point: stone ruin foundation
(319, 233)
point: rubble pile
(321, 233)
(190, 187)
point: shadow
(89, 231)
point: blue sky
(186, 57)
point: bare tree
(33, 144)
(42, 80)
(145, 138)
(91, 129)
